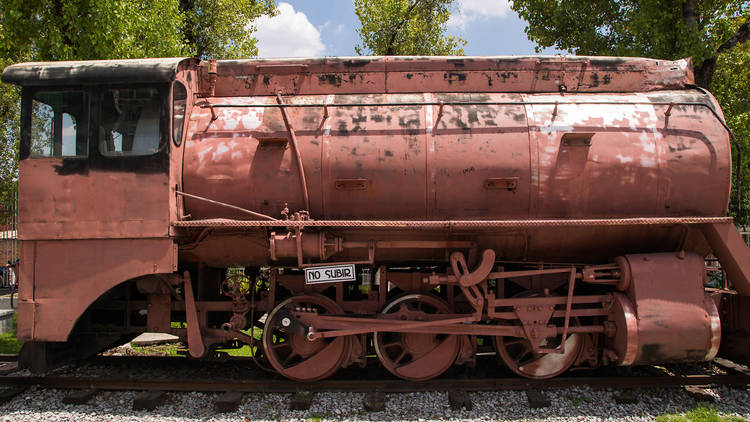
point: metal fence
(8, 243)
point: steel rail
(366, 385)
(451, 224)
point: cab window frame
(28, 95)
(164, 120)
(178, 140)
(157, 162)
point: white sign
(330, 274)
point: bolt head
(285, 322)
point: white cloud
(288, 34)
(472, 10)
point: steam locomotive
(554, 210)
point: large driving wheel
(415, 356)
(519, 356)
(292, 354)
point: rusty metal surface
(61, 278)
(673, 321)
(442, 167)
(559, 160)
(56, 202)
(338, 75)
(733, 254)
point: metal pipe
(453, 224)
(295, 148)
(409, 244)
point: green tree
(9, 135)
(731, 86)
(667, 29)
(405, 27)
(223, 28)
(90, 29)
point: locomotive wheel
(519, 356)
(294, 356)
(415, 356)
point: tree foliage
(731, 86)
(90, 29)
(667, 29)
(405, 27)
(50, 30)
(9, 135)
(223, 28)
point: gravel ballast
(571, 404)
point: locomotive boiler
(554, 210)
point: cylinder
(665, 316)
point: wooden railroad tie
(7, 394)
(148, 400)
(301, 400)
(460, 399)
(537, 399)
(228, 401)
(625, 397)
(80, 396)
(374, 401)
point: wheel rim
(519, 356)
(297, 358)
(414, 356)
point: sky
(309, 28)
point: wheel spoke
(417, 356)
(389, 345)
(289, 358)
(295, 357)
(526, 352)
(400, 357)
(280, 345)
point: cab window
(179, 100)
(129, 122)
(59, 122)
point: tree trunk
(704, 73)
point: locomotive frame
(552, 264)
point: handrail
(290, 129)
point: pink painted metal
(668, 318)
(508, 183)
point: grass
(168, 349)
(180, 349)
(700, 413)
(9, 344)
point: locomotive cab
(94, 183)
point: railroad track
(84, 388)
(364, 386)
